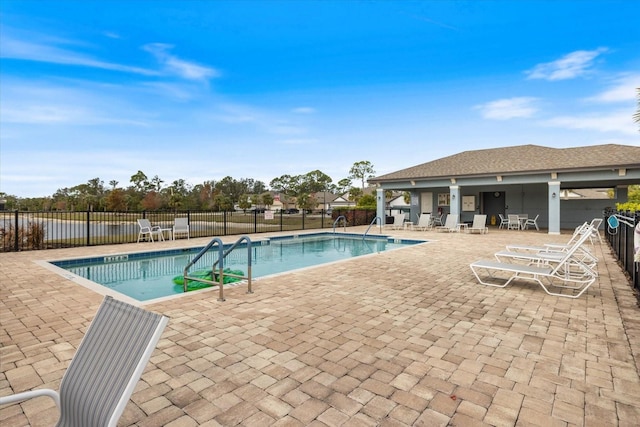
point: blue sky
(200, 90)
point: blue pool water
(146, 276)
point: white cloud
(304, 110)
(618, 121)
(299, 141)
(569, 66)
(623, 89)
(174, 65)
(43, 52)
(48, 104)
(508, 108)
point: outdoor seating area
(147, 231)
(555, 268)
(428, 348)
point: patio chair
(424, 222)
(103, 374)
(180, 227)
(513, 222)
(564, 273)
(504, 222)
(436, 220)
(479, 225)
(532, 222)
(450, 224)
(147, 230)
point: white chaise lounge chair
(565, 273)
(424, 222)
(398, 222)
(546, 254)
(479, 225)
(103, 374)
(450, 224)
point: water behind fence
(46, 230)
(623, 235)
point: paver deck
(405, 337)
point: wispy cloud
(175, 65)
(298, 141)
(50, 52)
(508, 108)
(48, 104)
(622, 89)
(304, 110)
(620, 121)
(570, 66)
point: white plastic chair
(531, 221)
(180, 227)
(513, 222)
(103, 373)
(450, 224)
(148, 230)
(479, 225)
(424, 222)
(504, 222)
(562, 272)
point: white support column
(454, 202)
(554, 207)
(380, 205)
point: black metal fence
(623, 238)
(21, 230)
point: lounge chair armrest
(19, 397)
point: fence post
(15, 235)
(88, 227)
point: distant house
(529, 179)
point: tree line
(144, 193)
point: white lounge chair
(398, 222)
(148, 230)
(546, 254)
(180, 227)
(587, 255)
(450, 224)
(564, 273)
(479, 225)
(424, 222)
(103, 374)
(531, 221)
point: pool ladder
(344, 219)
(371, 224)
(220, 263)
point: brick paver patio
(401, 338)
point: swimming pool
(149, 275)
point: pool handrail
(220, 261)
(371, 224)
(336, 222)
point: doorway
(493, 204)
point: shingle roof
(521, 159)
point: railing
(623, 235)
(24, 230)
(220, 263)
(344, 220)
(371, 224)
